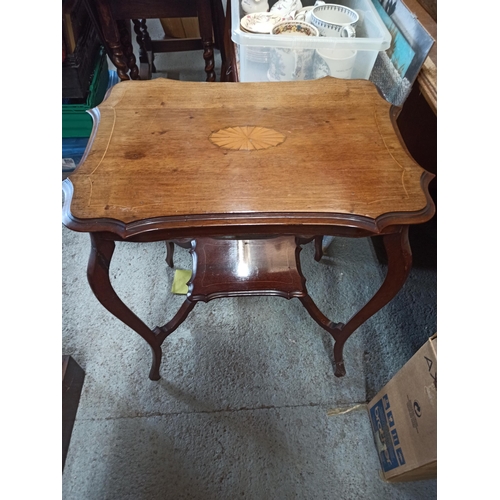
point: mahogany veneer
(265, 166)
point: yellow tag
(181, 278)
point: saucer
(259, 22)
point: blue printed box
(403, 416)
(386, 435)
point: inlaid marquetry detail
(246, 138)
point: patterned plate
(259, 22)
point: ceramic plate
(259, 22)
(300, 28)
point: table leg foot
(339, 368)
(154, 373)
(338, 349)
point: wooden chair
(112, 20)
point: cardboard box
(404, 419)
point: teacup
(334, 20)
(288, 64)
(304, 14)
(338, 63)
(285, 7)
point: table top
(177, 155)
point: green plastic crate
(76, 122)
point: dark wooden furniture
(246, 173)
(112, 20)
(80, 50)
(230, 73)
(72, 383)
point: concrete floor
(247, 406)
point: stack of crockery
(259, 21)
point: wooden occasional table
(244, 174)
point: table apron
(247, 232)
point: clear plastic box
(372, 37)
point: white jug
(251, 6)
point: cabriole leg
(399, 264)
(98, 277)
(399, 258)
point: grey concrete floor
(247, 406)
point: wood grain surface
(150, 155)
(232, 268)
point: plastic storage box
(372, 37)
(78, 122)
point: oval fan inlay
(246, 138)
